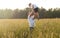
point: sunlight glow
(21, 4)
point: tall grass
(19, 28)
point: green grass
(19, 28)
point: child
(34, 9)
(32, 14)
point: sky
(21, 4)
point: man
(31, 21)
(33, 13)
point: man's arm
(37, 15)
(29, 13)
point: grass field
(19, 28)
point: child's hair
(29, 4)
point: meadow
(19, 28)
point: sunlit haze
(21, 4)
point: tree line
(17, 13)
